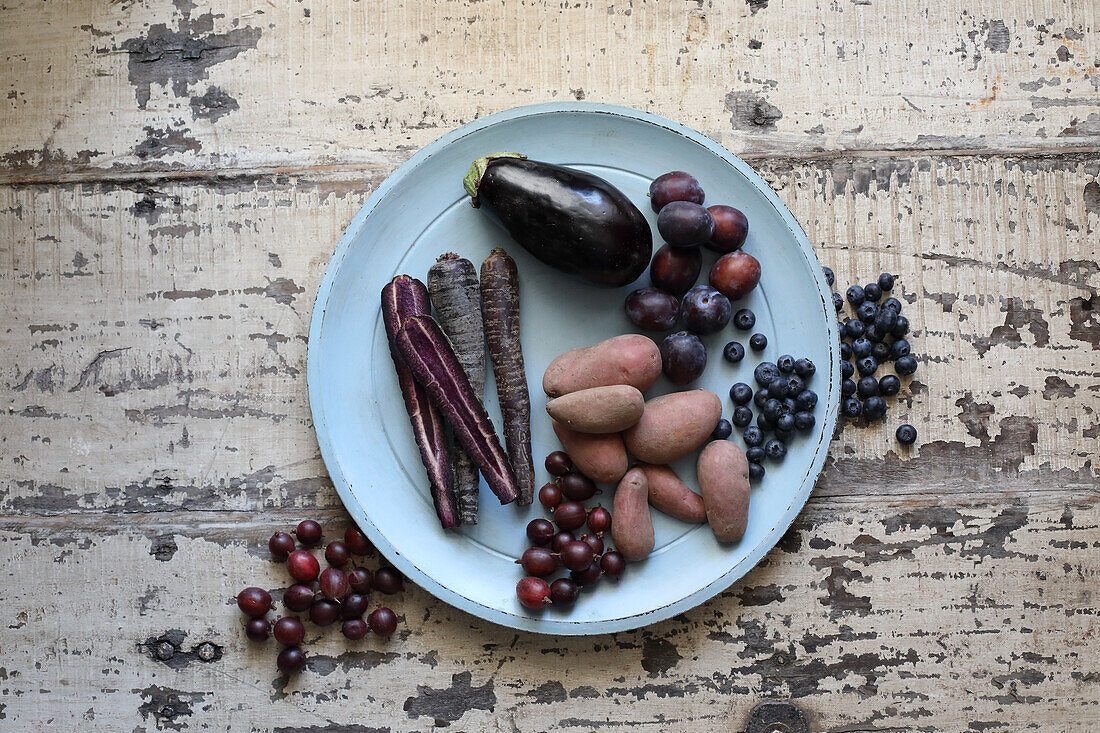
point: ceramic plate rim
(549, 625)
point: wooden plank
(878, 615)
(121, 88)
(156, 336)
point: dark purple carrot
(433, 362)
(452, 285)
(500, 309)
(403, 298)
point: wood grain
(127, 87)
(174, 177)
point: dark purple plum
(684, 224)
(683, 356)
(735, 274)
(705, 310)
(674, 186)
(652, 309)
(730, 228)
(675, 269)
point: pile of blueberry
(873, 337)
(783, 397)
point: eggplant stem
(473, 176)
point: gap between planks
(92, 175)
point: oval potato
(601, 458)
(670, 495)
(673, 425)
(628, 359)
(631, 523)
(724, 481)
(598, 409)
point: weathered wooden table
(175, 176)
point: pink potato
(609, 409)
(670, 495)
(628, 359)
(601, 458)
(632, 525)
(673, 425)
(724, 481)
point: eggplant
(571, 220)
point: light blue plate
(420, 212)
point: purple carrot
(402, 299)
(500, 309)
(432, 359)
(453, 288)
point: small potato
(598, 409)
(601, 458)
(724, 481)
(631, 524)
(668, 494)
(673, 425)
(629, 359)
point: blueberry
(867, 366)
(740, 393)
(851, 407)
(886, 320)
(855, 295)
(744, 319)
(785, 363)
(881, 351)
(905, 366)
(873, 334)
(889, 385)
(846, 369)
(886, 281)
(795, 385)
(861, 347)
(899, 349)
(906, 434)
(872, 291)
(722, 430)
(758, 342)
(901, 327)
(765, 423)
(756, 472)
(785, 422)
(828, 275)
(778, 388)
(734, 352)
(874, 408)
(867, 311)
(775, 450)
(845, 350)
(790, 406)
(764, 373)
(838, 302)
(806, 400)
(752, 435)
(867, 387)
(892, 304)
(771, 409)
(847, 388)
(760, 397)
(755, 454)
(783, 435)
(854, 328)
(742, 416)
(804, 368)
(804, 421)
